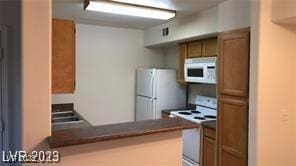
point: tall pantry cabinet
(233, 98)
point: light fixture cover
(128, 9)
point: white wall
(234, 14)
(228, 15)
(106, 61)
(273, 88)
(201, 24)
(171, 59)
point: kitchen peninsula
(152, 142)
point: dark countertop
(209, 124)
(190, 107)
(170, 110)
(77, 136)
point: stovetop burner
(195, 112)
(184, 113)
(210, 116)
(200, 118)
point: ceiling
(73, 9)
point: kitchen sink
(62, 120)
(62, 114)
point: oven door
(191, 144)
(194, 72)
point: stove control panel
(206, 102)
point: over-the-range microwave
(200, 70)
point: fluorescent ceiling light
(128, 9)
(152, 3)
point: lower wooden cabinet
(209, 147)
(209, 151)
(232, 131)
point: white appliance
(157, 89)
(200, 70)
(205, 111)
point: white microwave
(200, 70)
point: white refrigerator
(157, 89)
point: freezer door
(169, 94)
(145, 108)
(146, 82)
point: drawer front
(210, 133)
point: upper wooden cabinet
(209, 47)
(63, 56)
(182, 56)
(194, 49)
(234, 63)
(202, 48)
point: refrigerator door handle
(152, 86)
(153, 108)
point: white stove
(206, 110)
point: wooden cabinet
(234, 63)
(209, 47)
(194, 49)
(203, 48)
(182, 56)
(209, 147)
(63, 56)
(209, 152)
(233, 131)
(233, 91)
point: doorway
(3, 90)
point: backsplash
(202, 90)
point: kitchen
(107, 74)
(155, 78)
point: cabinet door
(182, 56)
(232, 132)
(234, 63)
(210, 47)
(194, 49)
(63, 56)
(209, 151)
